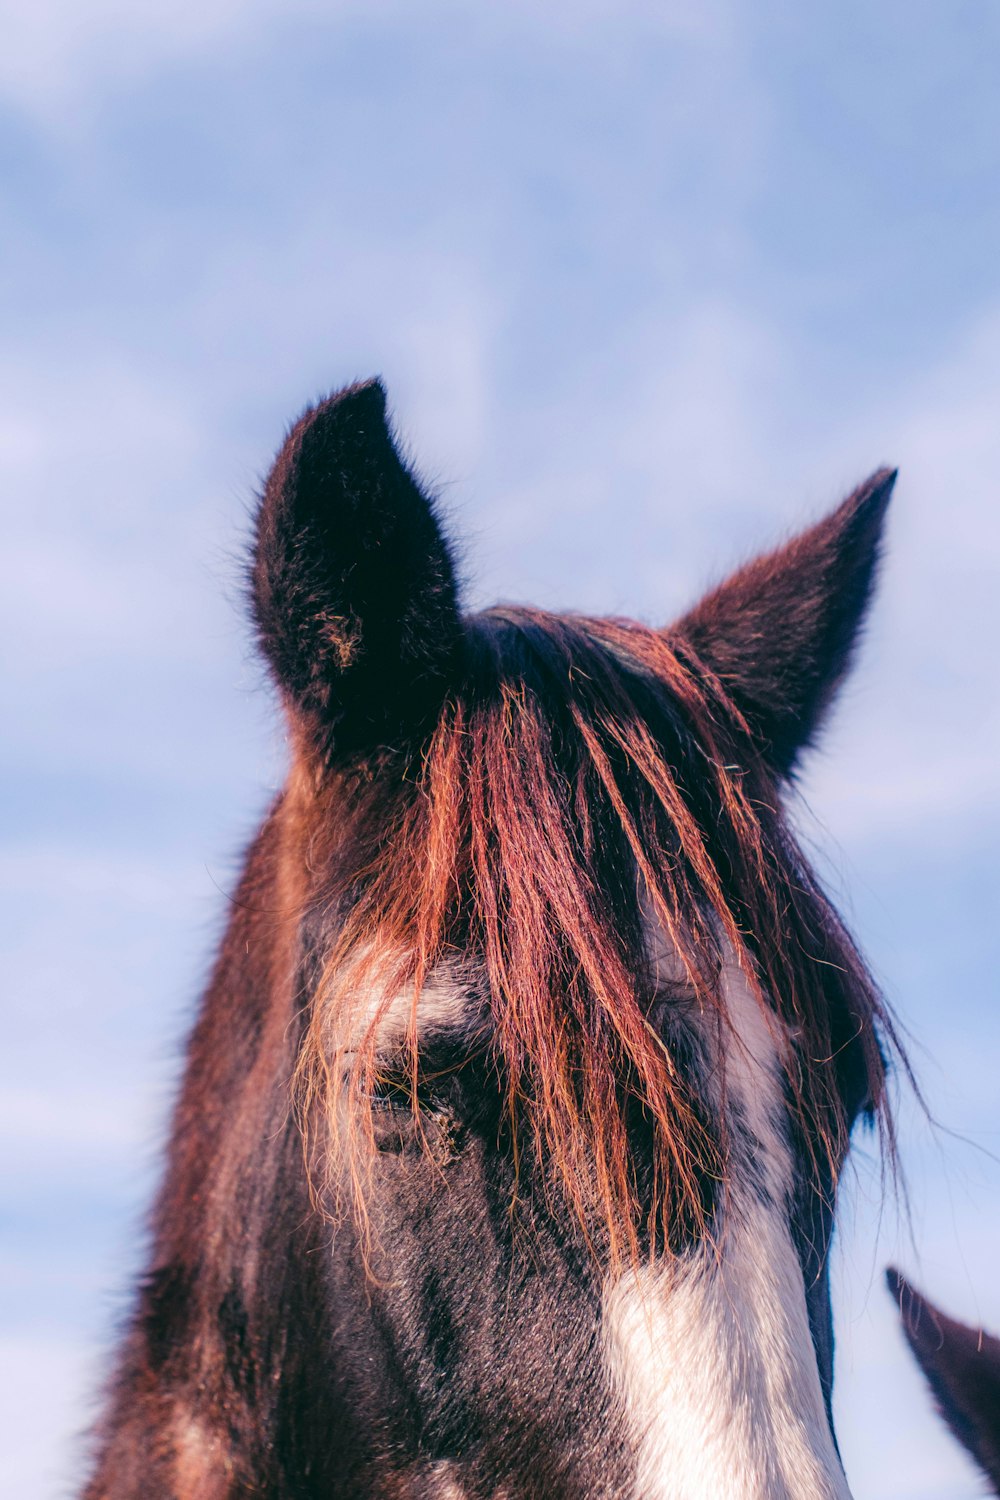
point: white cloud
(36, 869)
(60, 55)
(919, 741)
(55, 51)
(90, 1131)
(105, 480)
(42, 1373)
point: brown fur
(503, 799)
(488, 849)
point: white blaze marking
(715, 1357)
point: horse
(962, 1368)
(506, 1154)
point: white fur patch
(441, 1482)
(443, 1003)
(714, 1357)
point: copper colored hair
(585, 773)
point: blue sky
(650, 284)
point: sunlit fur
(527, 1002)
(586, 770)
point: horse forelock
(584, 777)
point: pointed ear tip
(877, 491)
(360, 407)
(903, 1293)
(363, 395)
(895, 1281)
(371, 391)
(863, 512)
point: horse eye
(394, 1095)
(442, 1076)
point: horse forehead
(452, 999)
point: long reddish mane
(586, 773)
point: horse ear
(352, 583)
(962, 1367)
(780, 633)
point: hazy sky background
(649, 283)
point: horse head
(507, 1155)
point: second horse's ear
(780, 633)
(962, 1366)
(353, 585)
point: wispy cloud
(60, 56)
